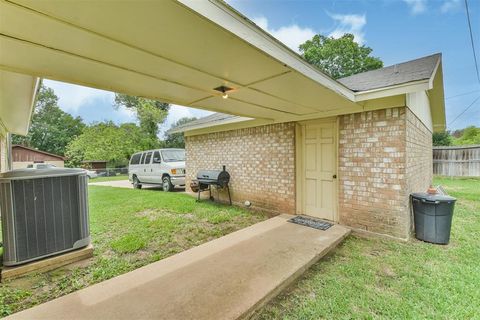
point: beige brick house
(300, 142)
(356, 169)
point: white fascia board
(210, 124)
(430, 82)
(415, 86)
(228, 18)
(37, 82)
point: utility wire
(471, 40)
(476, 64)
(462, 94)
(471, 104)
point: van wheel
(167, 184)
(136, 183)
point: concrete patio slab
(227, 278)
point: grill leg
(229, 197)
(198, 197)
(210, 192)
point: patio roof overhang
(177, 52)
(172, 51)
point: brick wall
(384, 155)
(419, 161)
(260, 160)
(372, 172)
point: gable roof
(414, 70)
(403, 73)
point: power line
(471, 104)
(476, 65)
(471, 40)
(462, 94)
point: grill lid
(220, 177)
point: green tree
(470, 135)
(150, 114)
(177, 140)
(107, 141)
(442, 138)
(340, 57)
(51, 129)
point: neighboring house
(95, 164)
(357, 169)
(23, 156)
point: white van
(165, 167)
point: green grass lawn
(112, 178)
(130, 228)
(381, 279)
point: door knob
(334, 176)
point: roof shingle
(414, 70)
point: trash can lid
(32, 173)
(433, 197)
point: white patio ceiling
(172, 51)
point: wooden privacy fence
(458, 161)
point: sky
(396, 30)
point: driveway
(113, 183)
(128, 184)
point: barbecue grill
(208, 178)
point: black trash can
(433, 217)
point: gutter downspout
(9, 152)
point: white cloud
(77, 100)
(127, 114)
(72, 97)
(349, 23)
(450, 5)
(292, 35)
(417, 6)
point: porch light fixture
(223, 90)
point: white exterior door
(319, 166)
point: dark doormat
(311, 222)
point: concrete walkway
(227, 278)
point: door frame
(300, 161)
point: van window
(170, 155)
(156, 157)
(143, 157)
(136, 158)
(147, 158)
